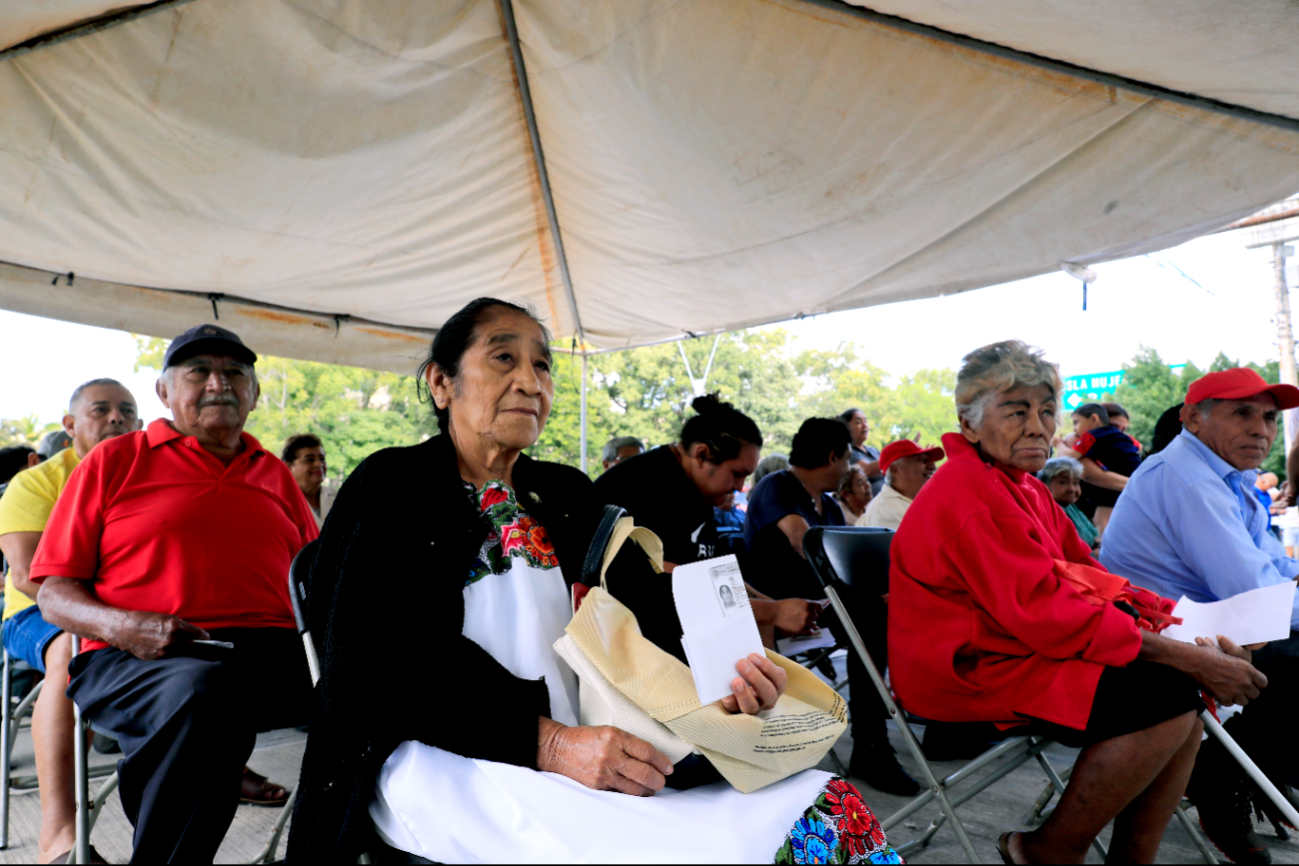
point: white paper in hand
(717, 622)
(1256, 616)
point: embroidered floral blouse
(514, 533)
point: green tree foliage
(647, 393)
(27, 431)
(1149, 388)
(355, 412)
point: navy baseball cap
(208, 339)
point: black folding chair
(841, 555)
(299, 593)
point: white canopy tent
(333, 178)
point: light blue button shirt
(1187, 525)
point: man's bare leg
(1107, 777)
(52, 722)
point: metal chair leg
(1034, 814)
(1196, 836)
(81, 780)
(912, 744)
(267, 854)
(97, 801)
(6, 752)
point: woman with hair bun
(672, 490)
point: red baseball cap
(906, 448)
(1240, 383)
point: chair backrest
(845, 554)
(300, 583)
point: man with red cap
(906, 468)
(1188, 524)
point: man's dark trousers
(187, 726)
(1265, 726)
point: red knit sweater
(980, 629)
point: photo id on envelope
(717, 622)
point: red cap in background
(906, 448)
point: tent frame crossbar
(86, 28)
(220, 298)
(539, 158)
(1154, 91)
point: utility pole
(1275, 227)
(1285, 333)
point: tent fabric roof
(359, 170)
(1240, 52)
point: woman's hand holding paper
(760, 684)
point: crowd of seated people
(1005, 610)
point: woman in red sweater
(990, 621)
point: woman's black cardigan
(386, 611)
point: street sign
(1092, 387)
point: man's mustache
(223, 400)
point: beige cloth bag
(627, 681)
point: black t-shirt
(776, 568)
(656, 491)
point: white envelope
(717, 621)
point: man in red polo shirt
(168, 553)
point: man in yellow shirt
(100, 409)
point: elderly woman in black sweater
(445, 720)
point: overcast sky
(1134, 302)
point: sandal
(1003, 847)
(257, 790)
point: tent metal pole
(586, 362)
(86, 28)
(539, 157)
(1057, 66)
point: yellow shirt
(26, 507)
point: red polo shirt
(161, 525)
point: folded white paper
(717, 622)
(801, 643)
(1259, 615)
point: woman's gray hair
(845, 483)
(1057, 465)
(769, 464)
(998, 367)
(617, 443)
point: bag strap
(614, 529)
(592, 570)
